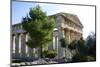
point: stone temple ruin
(67, 26)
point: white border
(5, 33)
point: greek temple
(67, 25)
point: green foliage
(39, 27)
(72, 45)
(51, 54)
(78, 45)
(37, 13)
(81, 50)
(91, 43)
(84, 50)
(17, 61)
(81, 47)
(64, 42)
(44, 53)
(79, 58)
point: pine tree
(39, 27)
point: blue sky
(86, 14)
(19, 10)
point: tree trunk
(40, 55)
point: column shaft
(53, 42)
(17, 47)
(56, 43)
(31, 56)
(23, 46)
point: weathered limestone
(67, 35)
(60, 49)
(26, 44)
(23, 46)
(17, 46)
(31, 56)
(54, 43)
(13, 46)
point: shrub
(72, 45)
(79, 58)
(16, 61)
(51, 54)
(44, 53)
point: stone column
(54, 42)
(17, 47)
(20, 44)
(56, 46)
(26, 44)
(69, 36)
(39, 55)
(23, 46)
(12, 43)
(29, 50)
(31, 56)
(12, 46)
(63, 33)
(59, 49)
(72, 36)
